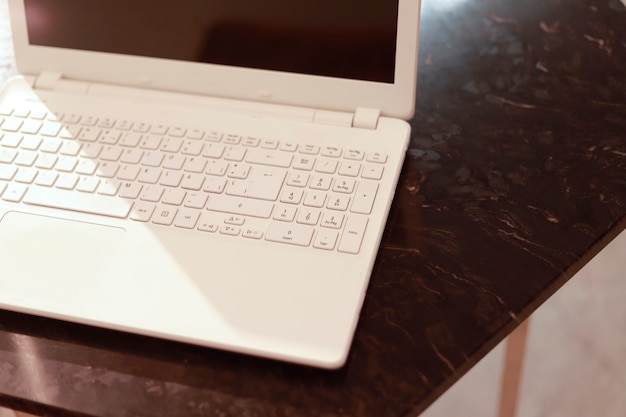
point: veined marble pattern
(574, 363)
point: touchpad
(48, 257)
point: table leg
(512, 374)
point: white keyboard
(212, 182)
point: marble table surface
(515, 178)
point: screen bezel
(395, 99)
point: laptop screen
(353, 39)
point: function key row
(92, 129)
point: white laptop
(211, 172)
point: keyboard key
(85, 184)
(80, 202)
(31, 127)
(252, 233)
(109, 186)
(310, 149)
(130, 190)
(11, 140)
(309, 216)
(235, 220)
(298, 179)
(352, 236)
(150, 142)
(67, 181)
(216, 167)
(285, 213)
(130, 139)
(349, 169)
(195, 134)
(26, 158)
(344, 185)
(230, 230)
(172, 145)
(332, 220)
(315, 199)
(89, 134)
(111, 153)
(331, 151)
(373, 172)
(131, 156)
(187, 219)
(268, 157)
(171, 178)
(177, 131)
(192, 182)
(7, 156)
(196, 165)
(152, 159)
(232, 139)
(174, 197)
(250, 141)
(321, 182)
(234, 153)
(262, 183)
(290, 233)
(7, 172)
(241, 206)
(269, 144)
(50, 129)
(142, 211)
(46, 178)
(292, 195)
(213, 150)
(338, 202)
(196, 200)
(52, 145)
(304, 163)
(207, 224)
(214, 185)
(288, 147)
(354, 154)
(364, 197)
(192, 147)
(149, 175)
(239, 171)
(14, 193)
(159, 129)
(326, 166)
(151, 193)
(164, 216)
(12, 125)
(377, 157)
(325, 239)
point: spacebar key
(76, 201)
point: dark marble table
(516, 177)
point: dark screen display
(339, 38)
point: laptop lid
(323, 54)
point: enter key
(263, 183)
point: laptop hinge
(365, 118)
(47, 80)
(334, 118)
(55, 81)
